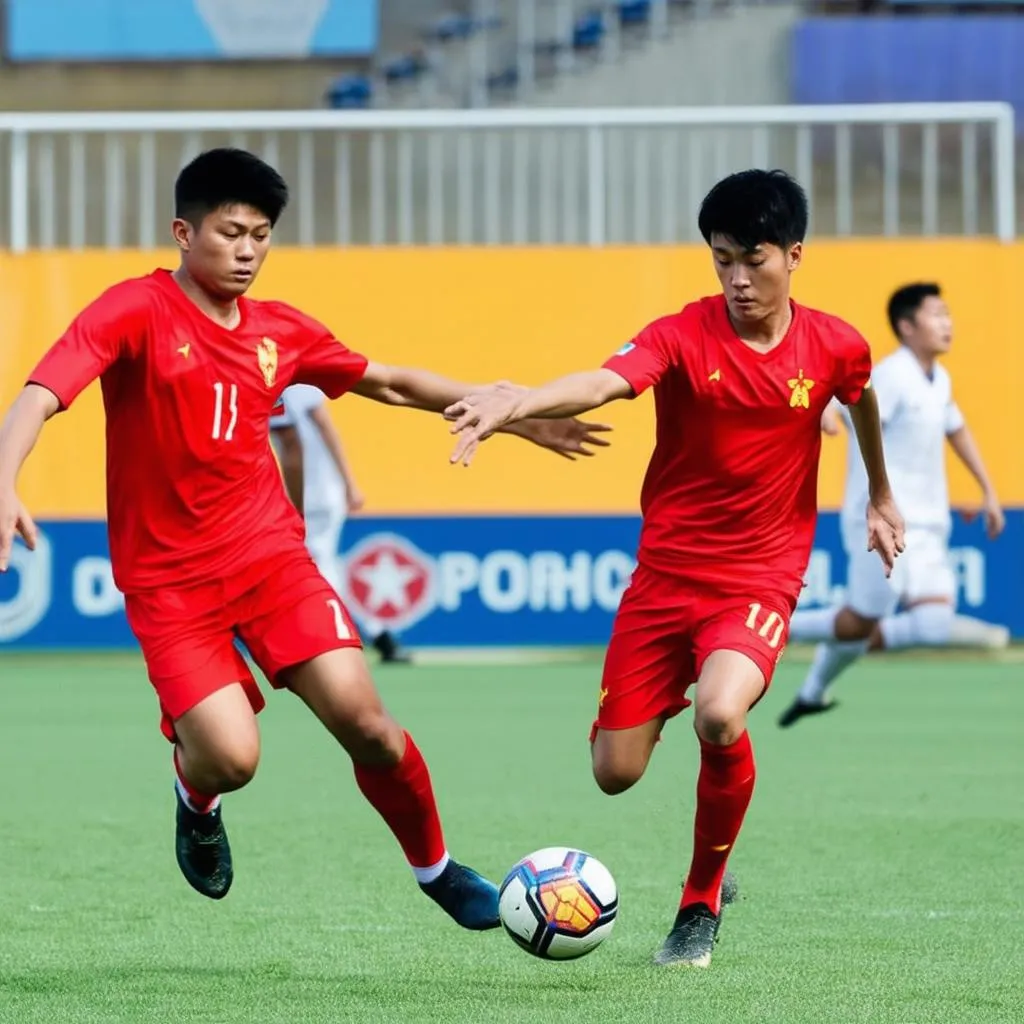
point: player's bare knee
(375, 738)
(236, 773)
(615, 769)
(720, 722)
(613, 777)
(234, 765)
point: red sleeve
(328, 364)
(855, 368)
(105, 331)
(643, 361)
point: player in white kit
(320, 484)
(919, 416)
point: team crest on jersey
(800, 391)
(266, 352)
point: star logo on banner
(389, 580)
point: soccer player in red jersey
(204, 542)
(729, 507)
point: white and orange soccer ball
(559, 903)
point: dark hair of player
(224, 177)
(755, 208)
(906, 301)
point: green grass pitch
(881, 863)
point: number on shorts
(340, 625)
(218, 411)
(771, 629)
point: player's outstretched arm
(413, 388)
(478, 415)
(885, 524)
(18, 434)
(962, 442)
(421, 389)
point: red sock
(404, 798)
(724, 788)
(201, 803)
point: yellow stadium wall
(527, 315)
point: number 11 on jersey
(770, 629)
(218, 411)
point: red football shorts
(282, 609)
(664, 631)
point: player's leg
(967, 631)
(216, 751)
(620, 757)
(843, 634)
(737, 650)
(647, 669)
(392, 774)
(208, 701)
(929, 596)
(301, 635)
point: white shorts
(922, 571)
(323, 538)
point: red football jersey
(730, 495)
(193, 489)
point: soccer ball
(558, 903)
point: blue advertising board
(129, 30)
(463, 581)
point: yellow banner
(527, 315)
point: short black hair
(755, 208)
(223, 177)
(906, 301)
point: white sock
(183, 793)
(425, 875)
(816, 625)
(829, 661)
(968, 632)
(926, 625)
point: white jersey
(323, 488)
(917, 413)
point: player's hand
(568, 438)
(995, 518)
(354, 499)
(885, 530)
(476, 417)
(14, 520)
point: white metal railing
(524, 176)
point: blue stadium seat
(634, 12)
(405, 68)
(351, 92)
(589, 31)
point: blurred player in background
(204, 543)
(919, 415)
(319, 482)
(729, 507)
